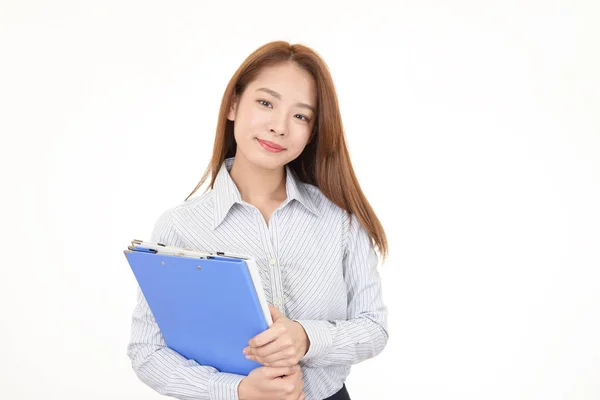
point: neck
(257, 185)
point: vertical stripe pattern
(318, 267)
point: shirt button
(277, 301)
(273, 261)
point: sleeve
(364, 333)
(160, 367)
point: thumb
(275, 313)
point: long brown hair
(325, 161)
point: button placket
(267, 239)
(274, 262)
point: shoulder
(356, 243)
(347, 222)
(179, 214)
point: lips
(270, 145)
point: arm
(161, 368)
(364, 334)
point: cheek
(299, 138)
(251, 123)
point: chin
(264, 161)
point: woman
(283, 191)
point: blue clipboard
(207, 309)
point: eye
(265, 103)
(302, 116)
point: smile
(270, 146)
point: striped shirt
(318, 267)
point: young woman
(283, 191)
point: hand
(282, 345)
(272, 383)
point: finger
(280, 359)
(278, 345)
(298, 390)
(285, 362)
(263, 351)
(284, 388)
(275, 313)
(276, 372)
(267, 336)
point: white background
(474, 129)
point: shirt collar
(297, 190)
(227, 193)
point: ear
(232, 109)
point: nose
(277, 124)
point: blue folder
(207, 309)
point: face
(274, 116)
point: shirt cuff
(319, 335)
(224, 386)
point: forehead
(290, 80)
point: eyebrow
(278, 96)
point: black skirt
(342, 394)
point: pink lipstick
(270, 146)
